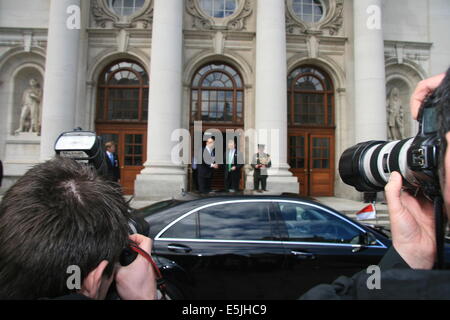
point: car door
(322, 245)
(229, 249)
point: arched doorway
(122, 111)
(311, 134)
(217, 100)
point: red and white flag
(368, 213)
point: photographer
(406, 270)
(60, 214)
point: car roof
(217, 197)
(188, 200)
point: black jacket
(398, 282)
(113, 169)
(238, 162)
(204, 169)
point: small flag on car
(368, 213)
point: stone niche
(22, 149)
(401, 89)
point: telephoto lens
(367, 165)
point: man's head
(60, 214)
(231, 144)
(261, 148)
(210, 143)
(110, 146)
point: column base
(155, 184)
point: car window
(236, 221)
(186, 228)
(310, 224)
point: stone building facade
(318, 73)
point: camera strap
(160, 283)
(441, 226)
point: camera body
(368, 165)
(84, 147)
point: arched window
(219, 8)
(126, 7)
(310, 94)
(311, 11)
(217, 95)
(123, 93)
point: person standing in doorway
(260, 163)
(233, 165)
(206, 167)
(113, 161)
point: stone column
(271, 92)
(370, 80)
(162, 178)
(60, 81)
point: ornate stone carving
(395, 115)
(104, 16)
(331, 22)
(235, 21)
(30, 115)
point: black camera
(84, 147)
(367, 166)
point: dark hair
(441, 97)
(60, 213)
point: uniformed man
(260, 163)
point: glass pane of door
(320, 153)
(134, 149)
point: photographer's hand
(424, 88)
(412, 225)
(137, 281)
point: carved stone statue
(30, 115)
(396, 126)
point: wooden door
(131, 150)
(298, 160)
(311, 157)
(321, 165)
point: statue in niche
(396, 126)
(30, 115)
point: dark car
(256, 247)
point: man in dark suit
(113, 162)
(206, 168)
(234, 161)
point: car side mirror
(363, 243)
(363, 239)
(367, 239)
